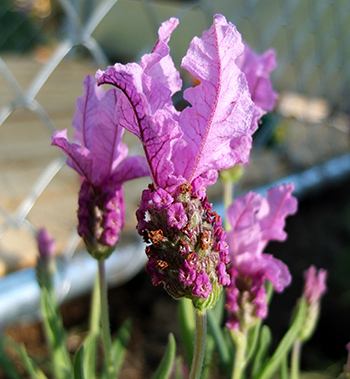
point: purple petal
(144, 111)
(217, 127)
(86, 113)
(315, 284)
(107, 149)
(245, 234)
(161, 199)
(79, 157)
(278, 204)
(159, 64)
(264, 266)
(257, 70)
(176, 215)
(131, 168)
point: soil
(318, 234)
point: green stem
(95, 308)
(295, 360)
(240, 340)
(106, 335)
(199, 348)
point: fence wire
(42, 65)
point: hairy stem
(199, 349)
(240, 340)
(295, 360)
(106, 335)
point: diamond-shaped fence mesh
(48, 46)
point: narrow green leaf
(120, 345)
(55, 335)
(166, 364)
(284, 368)
(223, 349)
(90, 356)
(262, 351)
(78, 365)
(208, 358)
(187, 327)
(286, 343)
(33, 371)
(6, 363)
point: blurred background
(47, 47)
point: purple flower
(185, 150)
(101, 160)
(315, 285)
(255, 221)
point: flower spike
(101, 160)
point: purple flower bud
(315, 285)
(46, 244)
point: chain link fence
(48, 46)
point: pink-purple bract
(257, 69)
(184, 151)
(100, 158)
(255, 221)
(315, 285)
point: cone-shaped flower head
(314, 289)
(255, 221)
(101, 160)
(184, 151)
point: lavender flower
(315, 285)
(184, 151)
(255, 221)
(101, 160)
(314, 289)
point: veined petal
(278, 204)
(144, 110)
(220, 119)
(159, 64)
(86, 113)
(107, 149)
(79, 157)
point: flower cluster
(185, 150)
(101, 160)
(255, 221)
